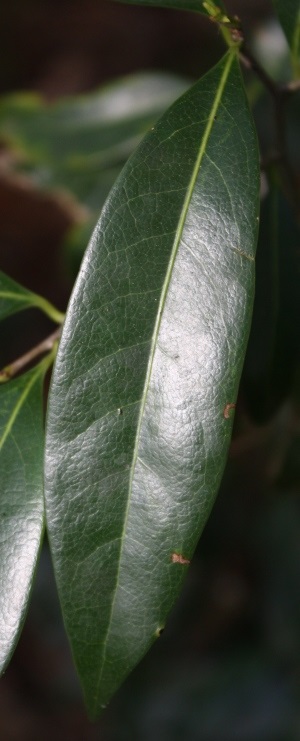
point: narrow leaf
(21, 500)
(288, 12)
(141, 407)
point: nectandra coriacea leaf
(148, 367)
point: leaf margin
(33, 391)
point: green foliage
(146, 378)
(21, 507)
(150, 359)
(79, 145)
(13, 297)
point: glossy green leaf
(289, 15)
(14, 298)
(21, 502)
(140, 414)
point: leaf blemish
(178, 558)
(243, 254)
(226, 410)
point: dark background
(227, 667)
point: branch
(43, 347)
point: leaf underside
(140, 416)
(21, 502)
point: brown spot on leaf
(178, 558)
(226, 411)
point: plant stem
(46, 346)
(48, 308)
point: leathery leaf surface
(21, 500)
(149, 363)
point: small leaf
(21, 502)
(14, 298)
(141, 406)
(289, 15)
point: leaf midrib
(217, 100)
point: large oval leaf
(21, 502)
(148, 368)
